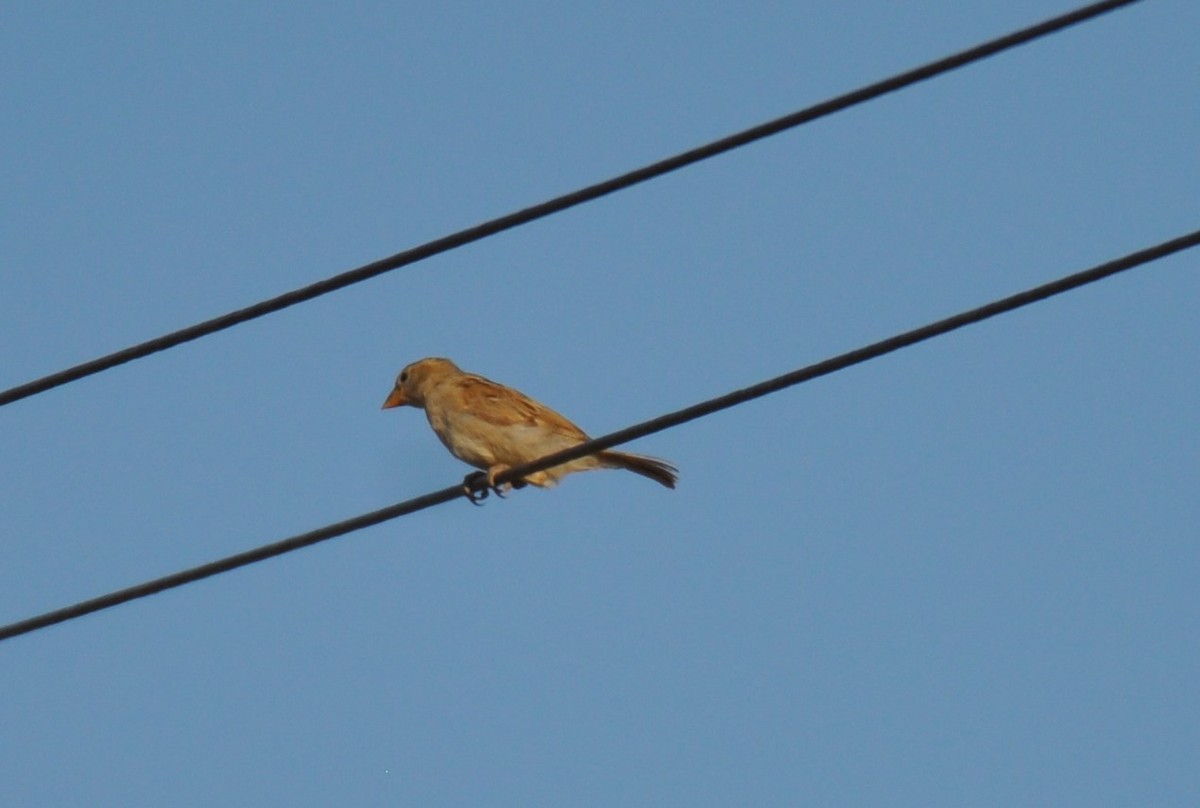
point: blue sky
(962, 574)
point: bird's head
(413, 381)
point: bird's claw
(477, 493)
(471, 488)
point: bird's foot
(477, 493)
(500, 488)
(471, 487)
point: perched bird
(494, 427)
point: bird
(493, 428)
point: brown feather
(504, 406)
(660, 471)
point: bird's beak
(396, 399)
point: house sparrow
(494, 427)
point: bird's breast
(484, 443)
(467, 437)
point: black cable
(229, 562)
(560, 203)
(658, 424)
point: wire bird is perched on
(494, 427)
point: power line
(561, 203)
(662, 422)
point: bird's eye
(404, 377)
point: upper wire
(561, 203)
(662, 422)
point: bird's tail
(660, 471)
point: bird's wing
(504, 406)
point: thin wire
(561, 203)
(658, 424)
